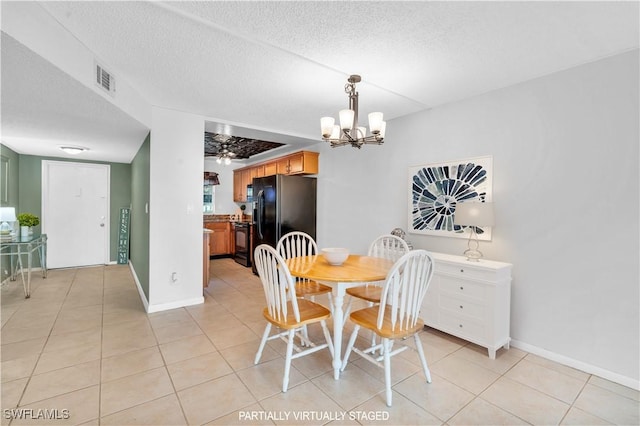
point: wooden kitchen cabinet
(282, 166)
(303, 162)
(271, 169)
(205, 257)
(299, 163)
(257, 171)
(220, 238)
(237, 185)
(241, 178)
(247, 178)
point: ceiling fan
(225, 154)
(227, 147)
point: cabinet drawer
(217, 226)
(466, 271)
(462, 306)
(460, 287)
(462, 326)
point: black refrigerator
(283, 204)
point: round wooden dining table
(355, 271)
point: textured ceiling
(44, 108)
(279, 66)
(216, 144)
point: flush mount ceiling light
(348, 131)
(73, 150)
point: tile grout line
(235, 290)
(578, 396)
(503, 375)
(234, 371)
(101, 348)
(545, 393)
(166, 367)
(24, 390)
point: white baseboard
(579, 365)
(174, 305)
(145, 302)
(162, 306)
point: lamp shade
(474, 214)
(375, 122)
(335, 133)
(383, 129)
(8, 214)
(346, 119)
(326, 125)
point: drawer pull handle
(461, 307)
(462, 270)
(461, 288)
(460, 325)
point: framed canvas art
(435, 189)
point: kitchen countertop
(223, 218)
(215, 218)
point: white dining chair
(398, 318)
(297, 244)
(285, 311)
(387, 247)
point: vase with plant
(27, 221)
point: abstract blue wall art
(435, 189)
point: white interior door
(75, 213)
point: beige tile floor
(83, 345)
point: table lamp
(7, 214)
(473, 214)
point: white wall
(566, 194)
(223, 200)
(175, 218)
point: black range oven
(243, 243)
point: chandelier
(348, 132)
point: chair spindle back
(296, 244)
(405, 288)
(388, 247)
(277, 282)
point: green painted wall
(30, 191)
(13, 164)
(139, 230)
(9, 180)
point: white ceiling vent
(105, 80)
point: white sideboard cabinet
(470, 300)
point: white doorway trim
(89, 196)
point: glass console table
(22, 246)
